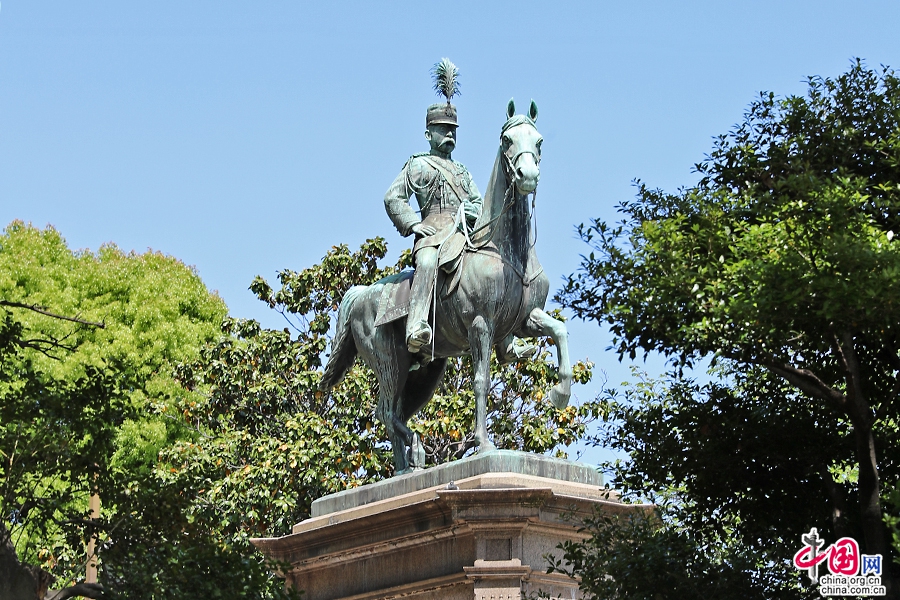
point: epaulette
(417, 155)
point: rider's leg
(418, 332)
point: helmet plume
(446, 79)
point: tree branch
(35, 345)
(804, 379)
(838, 502)
(839, 351)
(890, 354)
(809, 382)
(43, 310)
(85, 590)
(854, 379)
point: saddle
(393, 303)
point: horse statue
(497, 292)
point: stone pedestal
(477, 528)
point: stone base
(493, 461)
(483, 536)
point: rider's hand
(423, 230)
(472, 212)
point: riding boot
(418, 331)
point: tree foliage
(640, 556)
(52, 435)
(75, 397)
(734, 465)
(782, 259)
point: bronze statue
(489, 287)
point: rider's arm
(396, 202)
(474, 203)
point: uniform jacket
(438, 202)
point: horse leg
(481, 337)
(421, 385)
(418, 390)
(540, 323)
(386, 354)
(400, 437)
(408, 446)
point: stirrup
(420, 337)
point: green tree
(267, 442)
(781, 259)
(640, 556)
(733, 464)
(77, 399)
(51, 430)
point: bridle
(509, 163)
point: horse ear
(510, 109)
(532, 112)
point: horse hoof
(416, 453)
(486, 447)
(559, 398)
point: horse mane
(495, 194)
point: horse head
(521, 147)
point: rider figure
(441, 185)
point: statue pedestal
(434, 534)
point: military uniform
(440, 186)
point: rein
(508, 201)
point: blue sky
(244, 138)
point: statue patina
(479, 273)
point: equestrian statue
(477, 284)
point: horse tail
(343, 347)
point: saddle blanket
(394, 301)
